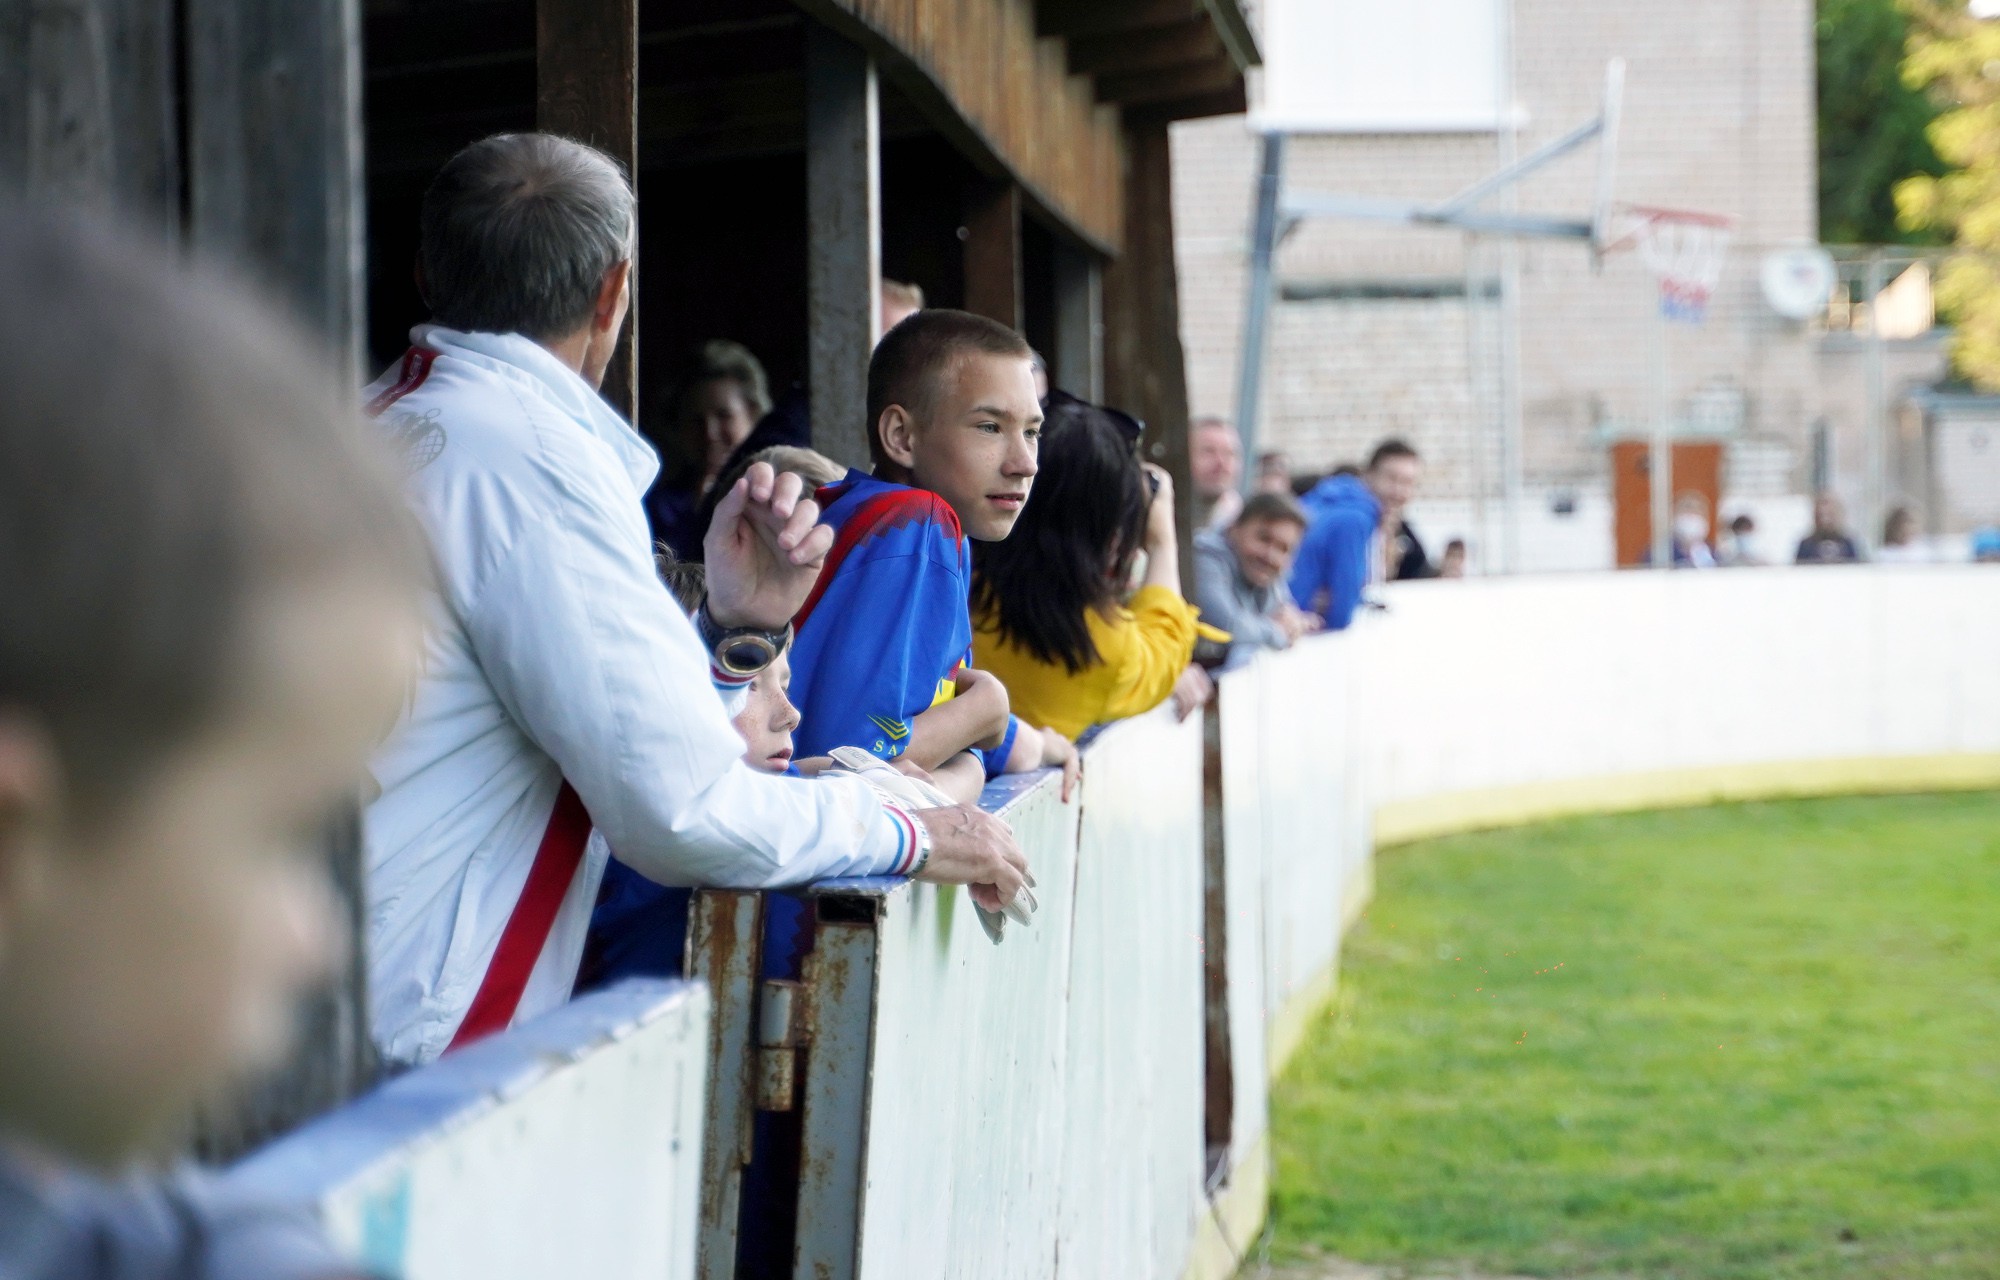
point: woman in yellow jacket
(1047, 609)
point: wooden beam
(993, 251)
(1216, 74)
(1144, 369)
(587, 88)
(1077, 363)
(1071, 18)
(1232, 101)
(1147, 50)
(844, 246)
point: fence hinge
(780, 1036)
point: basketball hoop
(1684, 250)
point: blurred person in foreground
(1356, 535)
(211, 617)
(1239, 581)
(568, 705)
(1829, 541)
(1215, 464)
(1900, 544)
(1049, 608)
(1741, 549)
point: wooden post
(273, 183)
(844, 245)
(274, 152)
(1144, 372)
(587, 88)
(1077, 363)
(993, 251)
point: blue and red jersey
(880, 636)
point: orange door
(1697, 468)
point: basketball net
(1684, 251)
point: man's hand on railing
(972, 847)
(764, 550)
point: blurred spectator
(1828, 543)
(1274, 472)
(190, 689)
(1344, 548)
(1041, 375)
(1215, 464)
(1740, 549)
(1048, 613)
(900, 301)
(1240, 580)
(1900, 544)
(1452, 563)
(1986, 545)
(718, 397)
(1690, 533)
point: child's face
(976, 447)
(767, 720)
(149, 953)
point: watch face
(745, 654)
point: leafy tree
(1957, 57)
(1872, 123)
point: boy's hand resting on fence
(764, 550)
(1192, 690)
(972, 847)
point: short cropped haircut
(171, 455)
(1393, 447)
(518, 231)
(912, 357)
(1271, 506)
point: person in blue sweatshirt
(1342, 551)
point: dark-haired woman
(1049, 613)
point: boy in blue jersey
(883, 654)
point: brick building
(1395, 329)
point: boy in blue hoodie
(883, 654)
(1340, 552)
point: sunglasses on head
(1132, 428)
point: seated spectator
(1452, 563)
(639, 928)
(718, 397)
(187, 690)
(1342, 552)
(883, 659)
(1688, 534)
(1239, 581)
(568, 706)
(1900, 544)
(1215, 463)
(1741, 549)
(1828, 543)
(1049, 614)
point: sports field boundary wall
(1088, 1097)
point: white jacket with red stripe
(554, 653)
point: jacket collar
(523, 359)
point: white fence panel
(1132, 1167)
(567, 1147)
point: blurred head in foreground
(210, 620)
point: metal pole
(1876, 500)
(1257, 308)
(1512, 481)
(1660, 456)
(1474, 368)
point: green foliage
(1871, 124)
(1717, 1044)
(1956, 58)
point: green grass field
(1750, 1041)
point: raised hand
(764, 550)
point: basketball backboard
(1364, 66)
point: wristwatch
(740, 651)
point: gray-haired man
(568, 705)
